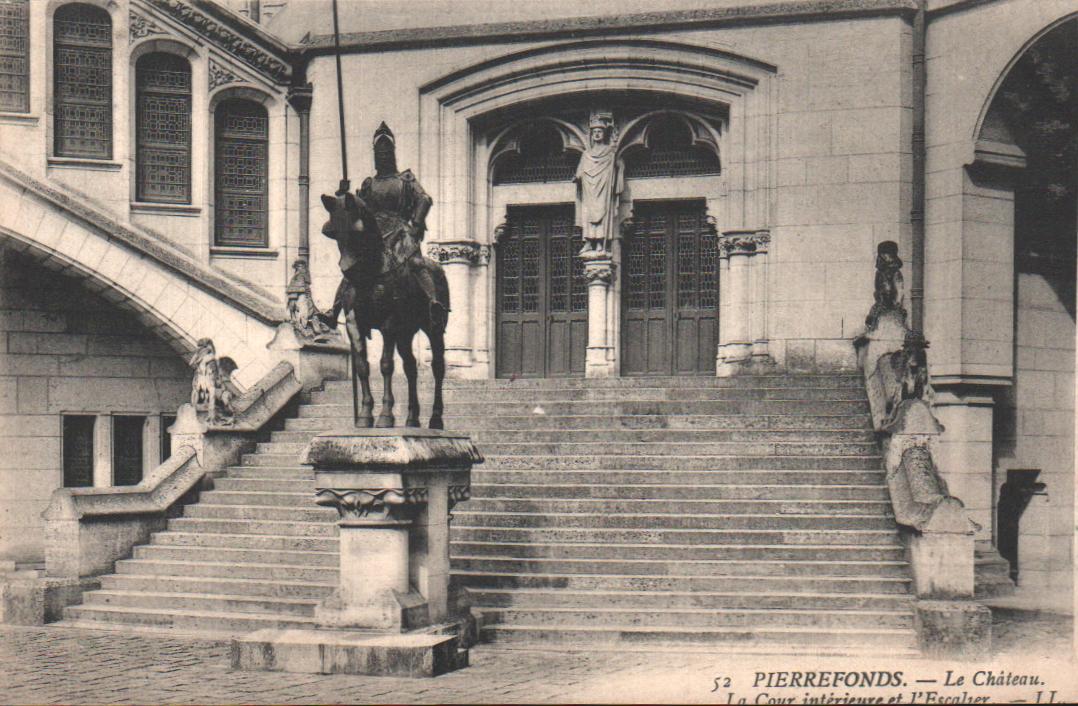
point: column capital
(467, 252)
(373, 505)
(599, 269)
(300, 97)
(743, 242)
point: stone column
(299, 97)
(482, 303)
(458, 257)
(760, 353)
(599, 270)
(735, 327)
(964, 453)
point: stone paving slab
(77, 666)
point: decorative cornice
(457, 251)
(140, 26)
(228, 40)
(373, 504)
(220, 74)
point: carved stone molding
(374, 504)
(458, 494)
(458, 251)
(226, 39)
(220, 74)
(743, 242)
(484, 254)
(140, 26)
(598, 271)
(300, 97)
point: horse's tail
(441, 286)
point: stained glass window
(241, 173)
(82, 70)
(542, 158)
(163, 85)
(670, 152)
(14, 56)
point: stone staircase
(747, 514)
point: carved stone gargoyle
(888, 297)
(302, 311)
(212, 389)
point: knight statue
(400, 206)
(599, 178)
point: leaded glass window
(82, 71)
(542, 158)
(163, 86)
(241, 134)
(670, 152)
(14, 56)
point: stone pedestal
(599, 270)
(312, 361)
(393, 489)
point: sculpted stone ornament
(372, 504)
(600, 181)
(304, 315)
(888, 284)
(212, 389)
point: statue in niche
(305, 316)
(888, 286)
(212, 389)
(599, 179)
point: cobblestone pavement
(64, 665)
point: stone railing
(88, 529)
(938, 534)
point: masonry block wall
(63, 349)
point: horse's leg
(385, 417)
(411, 371)
(361, 371)
(437, 366)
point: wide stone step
(616, 448)
(253, 527)
(465, 516)
(145, 583)
(259, 497)
(684, 506)
(734, 476)
(311, 513)
(285, 542)
(694, 567)
(731, 584)
(635, 436)
(618, 462)
(599, 394)
(649, 535)
(264, 485)
(160, 552)
(574, 618)
(650, 600)
(780, 639)
(287, 460)
(677, 552)
(702, 491)
(220, 603)
(186, 620)
(282, 572)
(850, 379)
(623, 407)
(317, 423)
(287, 471)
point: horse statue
(387, 285)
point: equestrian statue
(388, 284)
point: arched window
(163, 127)
(82, 75)
(670, 152)
(241, 171)
(15, 56)
(542, 158)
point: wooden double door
(542, 298)
(669, 302)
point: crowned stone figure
(599, 179)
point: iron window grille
(14, 56)
(82, 70)
(241, 174)
(670, 153)
(163, 119)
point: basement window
(127, 449)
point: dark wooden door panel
(542, 295)
(669, 294)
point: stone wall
(64, 349)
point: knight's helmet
(385, 159)
(602, 119)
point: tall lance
(344, 187)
